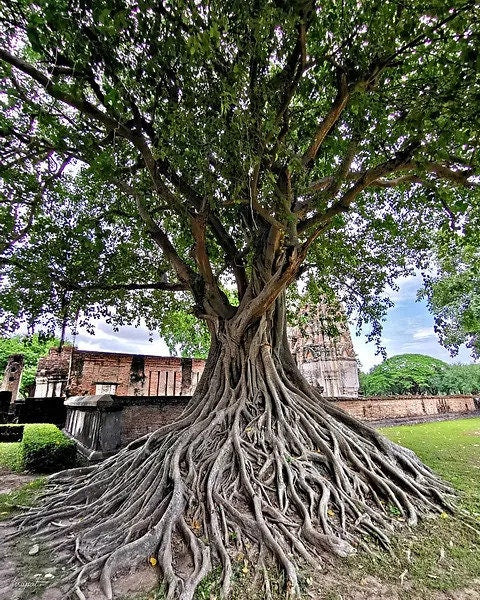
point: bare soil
(10, 481)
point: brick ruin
(12, 377)
(72, 372)
(327, 361)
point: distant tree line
(419, 374)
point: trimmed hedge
(46, 449)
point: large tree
(404, 374)
(158, 150)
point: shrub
(46, 449)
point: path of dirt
(10, 481)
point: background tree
(404, 374)
(32, 347)
(193, 147)
(459, 379)
(452, 292)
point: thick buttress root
(259, 465)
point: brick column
(13, 375)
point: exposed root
(258, 467)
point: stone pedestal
(101, 425)
(94, 422)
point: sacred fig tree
(154, 150)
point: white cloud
(424, 333)
(128, 339)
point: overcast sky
(408, 329)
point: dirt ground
(24, 577)
(28, 571)
(10, 481)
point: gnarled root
(259, 466)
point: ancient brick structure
(72, 372)
(102, 425)
(12, 376)
(326, 361)
(325, 357)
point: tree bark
(258, 466)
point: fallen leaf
(153, 561)
(34, 549)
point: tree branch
(329, 121)
(159, 285)
(54, 91)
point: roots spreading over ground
(259, 465)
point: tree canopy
(404, 374)
(452, 291)
(32, 347)
(133, 170)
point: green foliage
(32, 347)
(459, 379)
(404, 374)
(11, 456)
(46, 449)
(110, 137)
(453, 294)
(419, 374)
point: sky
(408, 329)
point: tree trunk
(259, 465)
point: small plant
(394, 511)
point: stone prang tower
(323, 351)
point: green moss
(23, 496)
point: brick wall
(84, 373)
(143, 419)
(378, 408)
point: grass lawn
(442, 553)
(451, 448)
(11, 456)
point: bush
(46, 449)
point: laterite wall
(395, 407)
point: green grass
(11, 456)
(23, 496)
(451, 448)
(442, 553)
